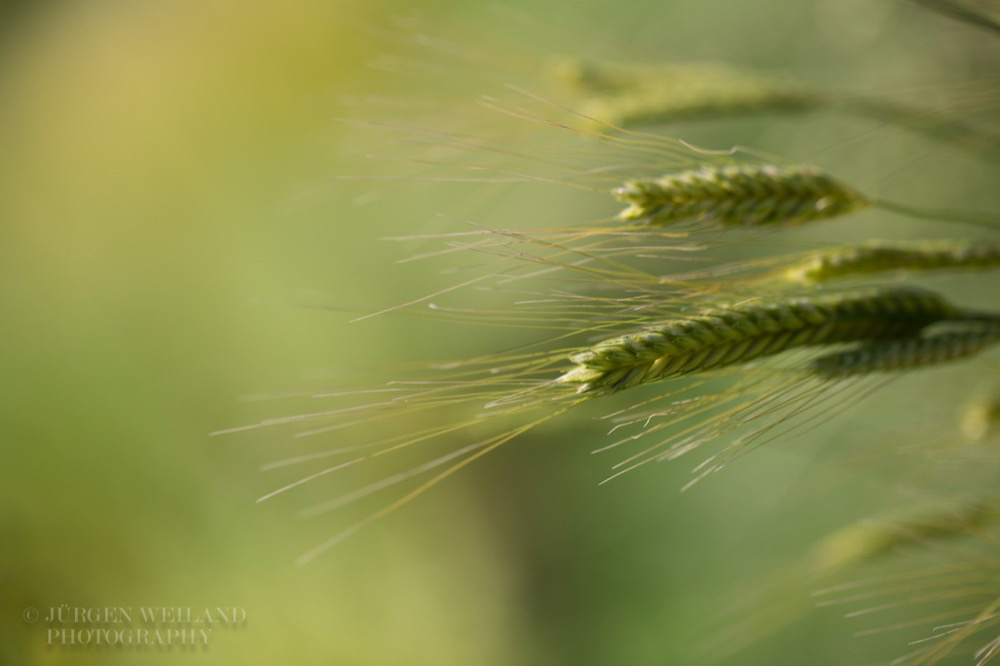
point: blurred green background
(169, 203)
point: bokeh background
(173, 213)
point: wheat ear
(728, 335)
(747, 195)
(870, 539)
(878, 256)
(630, 95)
(907, 353)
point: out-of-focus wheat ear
(626, 95)
(739, 196)
(908, 353)
(729, 335)
(870, 539)
(880, 256)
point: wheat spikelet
(728, 335)
(878, 256)
(748, 195)
(907, 353)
